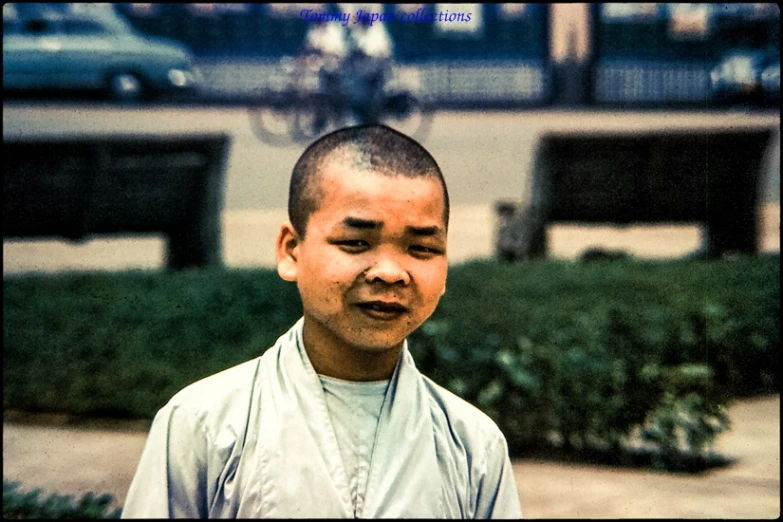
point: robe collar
(404, 478)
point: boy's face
(372, 265)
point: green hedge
(585, 354)
(121, 344)
(589, 354)
(18, 505)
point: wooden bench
(76, 188)
(708, 177)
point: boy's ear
(287, 252)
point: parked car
(747, 75)
(72, 52)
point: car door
(87, 52)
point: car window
(38, 27)
(82, 27)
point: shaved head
(376, 149)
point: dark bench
(75, 188)
(708, 177)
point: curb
(71, 421)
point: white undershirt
(354, 408)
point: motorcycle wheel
(273, 120)
(408, 114)
(315, 115)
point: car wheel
(126, 87)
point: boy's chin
(377, 344)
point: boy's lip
(379, 309)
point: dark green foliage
(18, 505)
(588, 355)
(122, 344)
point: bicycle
(301, 110)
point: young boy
(335, 420)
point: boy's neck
(332, 358)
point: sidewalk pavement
(249, 237)
(67, 456)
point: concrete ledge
(64, 420)
(248, 239)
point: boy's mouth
(382, 309)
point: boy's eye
(425, 251)
(353, 245)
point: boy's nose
(389, 271)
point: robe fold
(256, 440)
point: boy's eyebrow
(360, 223)
(424, 231)
(371, 224)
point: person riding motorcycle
(326, 44)
(369, 63)
(353, 66)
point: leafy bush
(18, 505)
(588, 355)
(122, 344)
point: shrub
(30, 505)
(122, 344)
(588, 355)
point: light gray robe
(256, 440)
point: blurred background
(646, 135)
(539, 54)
